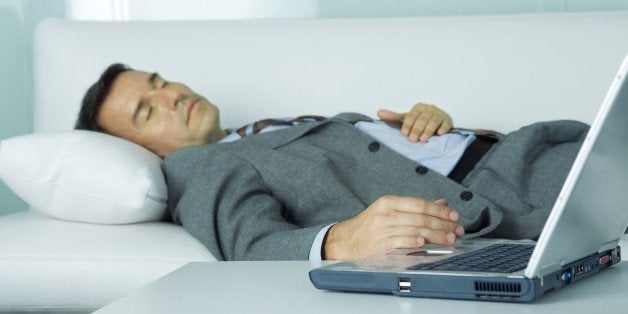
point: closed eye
(164, 83)
(156, 81)
(150, 112)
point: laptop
(580, 238)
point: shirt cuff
(317, 246)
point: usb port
(404, 284)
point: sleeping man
(337, 187)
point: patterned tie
(256, 127)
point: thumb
(388, 115)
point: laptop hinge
(550, 268)
(608, 246)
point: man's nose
(164, 98)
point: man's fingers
(393, 222)
(411, 212)
(416, 239)
(409, 123)
(412, 220)
(444, 128)
(388, 115)
(418, 125)
(421, 122)
(403, 237)
(401, 242)
(418, 206)
(430, 129)
(442, 202)
(438, 236)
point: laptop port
(404, 284)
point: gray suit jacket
(265, 197)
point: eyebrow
(151, 81)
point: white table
(284, 287)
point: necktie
(257, 126)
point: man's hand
(421, 122)
(393, 222)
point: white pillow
(85, 176)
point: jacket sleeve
(222, 201)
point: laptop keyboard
(498, 258)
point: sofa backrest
(498, 72)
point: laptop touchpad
(433, 252)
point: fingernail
(451, 237)
(413, 137)
(453, 216)
(459, 231)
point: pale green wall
(408, 8)
(17, 21)
(15, 103)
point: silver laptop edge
(561, 227)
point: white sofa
(497, 72)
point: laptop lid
(594, 194)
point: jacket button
(421, 170)
(466, 195)
(374, 146)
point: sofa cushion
(46, 263)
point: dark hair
(94, 97)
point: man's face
(162, 116)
